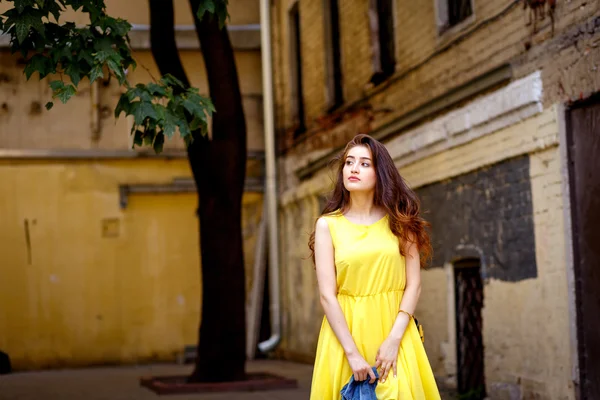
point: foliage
(217, 8)
(100, 50)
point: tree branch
(162, 40)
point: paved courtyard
(122, 383)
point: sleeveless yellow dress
(371, 276)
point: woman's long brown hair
(391, 193)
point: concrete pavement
(122, 383)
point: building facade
(99, 242)
(489, 110)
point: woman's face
(359, 172)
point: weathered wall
(492, 155)
(135, 11)
(26, 124)
(533, 287)
(496, 203)
(82, 280)
(85, 281)
(428, 64)
(519, 345)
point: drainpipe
(270, 181)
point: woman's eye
(366, 164)
(348, 162)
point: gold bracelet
(407, 313)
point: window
(297, 97)
(381, 20)
(453, 12)
(331, 18)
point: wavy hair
(391, 193)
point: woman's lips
(353, 179)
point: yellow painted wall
(78, 297)
(26, 124)
(241, 12)
(74, 296)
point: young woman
(367, 248)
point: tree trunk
(219, 167)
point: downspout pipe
(270, 181)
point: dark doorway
(469, 334)
(583, 139)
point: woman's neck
(361, 206)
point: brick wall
(491, 213)
(526, 319)
(429, 65)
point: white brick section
(517, 101)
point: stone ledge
(519, 100)
(243, 37)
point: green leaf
(37, 63)
(116, 69)
(22, 4)
(139, 91)
(194, 108)
(184, 128)
(169, 123)
(57, 85)
(65, 94)
(93, 10)
(62, 55)
(117, 26)
(142, 110)
(188, 140)
(49, 105)
(206, 102)
(149, 137)
(85, 55)
(222, 13)
(96, 73)
(124, 105)
(22, 30)
(104, 49)
(198, 123)
(74, 72)
(159, 142)
(205, 6)
(138, 138)
(155, 89)
(216, 8)
(170, 80)
(52, 7)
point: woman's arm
(326, 277)
(388, 352)
(412, 291)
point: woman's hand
(360, 368)
(387, 356)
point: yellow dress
(371, 276)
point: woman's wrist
(351, 351)
(399, 327)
